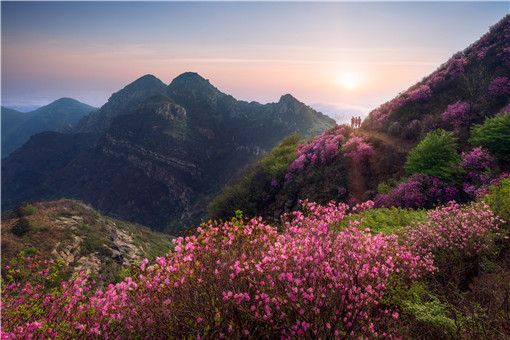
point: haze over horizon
(341, 58)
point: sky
(341, 58)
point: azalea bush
(417, 192)
(235, 279)
(456, 115)
(475, 169)
(458, 236)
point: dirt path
(400, 145)
(355, 176)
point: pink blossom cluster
(236, 279)
(499, 86)
(455, 231)
(477, 160)
(497, 38)
(505, 110)
(485, 189)
(321, 150)
(456, 66)
(456, 115)
(418, 191)
(421, 93)
(357, 148)
(383, 112)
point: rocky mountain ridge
(163, 156)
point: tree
(21, 227)
(493, 135)
(436, 155)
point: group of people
(355, 122)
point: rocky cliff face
(164, 157)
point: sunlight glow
(349, 80)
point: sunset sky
(342, 58)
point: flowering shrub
(476, 165)
(456, 115)
(357, 149)
(235, 279)
(421, 93)
(499, 86)
(456, 66)
(418, 191)
(321, 150)
(458, 236)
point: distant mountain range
(17, 127)
(155, 154)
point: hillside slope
(79, 236)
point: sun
(349, 80)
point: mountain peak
(288, 99)
(191, 81)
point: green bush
(436, 155)
(434, 314)
(494, 135)
(388, 221)
(276, 164)
(499, 199)
(25, 210)
(21, 227)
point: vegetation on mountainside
(79, 236)
(327, 272)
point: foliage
(21, 227)
(416, 192)
(499, 200)
(389, 220)
(436, 155)
(277, 162)
(434, 314)
(494, 135)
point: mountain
(121, 102)
(164, 156)
(17, 127)
(355, 165)
(78, 235)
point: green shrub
(21, 227)
(276, 164)
(436, 155)
(387, 221)
(25, 210)
(493, 135)
(499, 199)
(433, 314)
